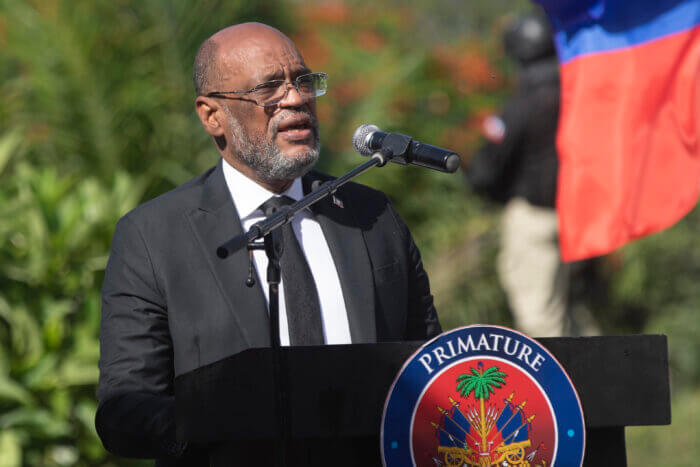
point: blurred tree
(96, 116)
(383, 72)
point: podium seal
(482, 396)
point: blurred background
(97, 116)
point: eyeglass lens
(308, 86)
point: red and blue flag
(629, 128)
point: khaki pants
(532, 273)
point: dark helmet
(529, 38)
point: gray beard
(265, 158)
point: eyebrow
(278, 75)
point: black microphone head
(360, 140)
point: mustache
(287, 113)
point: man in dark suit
(170, 305)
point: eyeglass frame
(286, 84)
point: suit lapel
(214, 222)
(347, 246)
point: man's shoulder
(174, 202)
(372, 208)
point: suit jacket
(170, 305)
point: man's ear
(210, 112)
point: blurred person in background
(518, 166)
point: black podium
(338, 392)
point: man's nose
(292, 98)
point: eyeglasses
(272, 92)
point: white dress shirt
(247, 197)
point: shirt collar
(247, 195)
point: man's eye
(306, 86)
(269, 85)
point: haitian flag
(629, 128)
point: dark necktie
(300, 294)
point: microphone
(403, 150)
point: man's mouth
(297, 128)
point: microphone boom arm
(286, 214)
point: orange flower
(349, 91)
(325, 13)
(369, 40)
(462, 138)
(326, 110)
(313, 48)
(468, 68)
(403, 105)
(476, 120)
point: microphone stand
(273, 245)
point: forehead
(258, 59)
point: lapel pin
(338, 202)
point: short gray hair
(205, 67)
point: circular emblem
(482, 396)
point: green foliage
(481, 383)
(672, 446)
(387, 67)
(97, 116)
(655, 285)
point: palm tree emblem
(482, 383)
